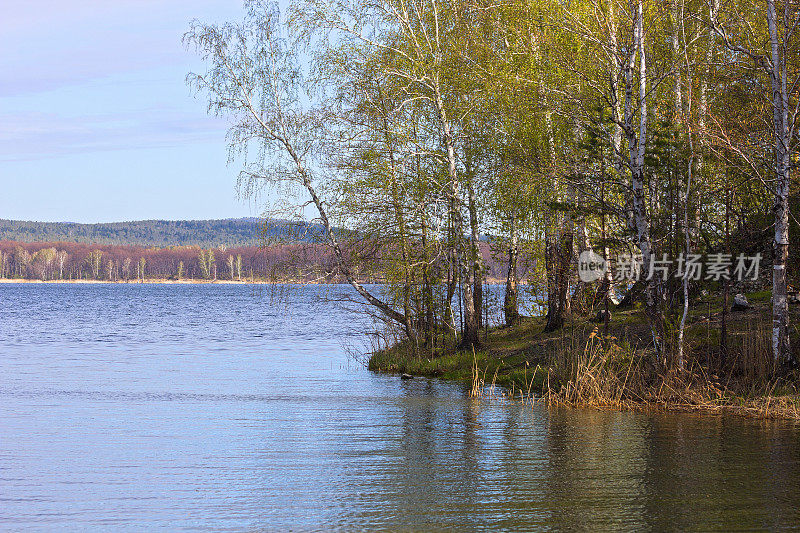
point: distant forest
(241, 249)
(276, 261)
(79, 261)
(204, 233)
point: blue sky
(96, 121)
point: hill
(206, 233)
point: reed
(607, 374)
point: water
(179, 407)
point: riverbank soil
(583, 364)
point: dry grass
(606, 375)
(600, 374)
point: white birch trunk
(637, 142)
(780, 106)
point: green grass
(511, 367)
(760, 296)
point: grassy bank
(584, 365)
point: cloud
(52, 43)
(79, 76)
(32, 136)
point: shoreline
(495, 384)
(578, 367)
(157, 281)
(191, 281)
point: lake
(216, 407)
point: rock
(600, 316)
(406, 376)
(740, 303)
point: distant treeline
(73, 261)
(205, 233)
(276, 262)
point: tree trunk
(726, 288)
(471, 326)
(385, 309)
(781, 349)
(554, 317)
(637, 146)
(554, 241)
(405, 248)
(678, 94)
(510, 303)
(475, 252)
(565, 263)
(464, 267)
(427, 288)
(687, 241)
(582, 243)
(558, 253)
(452, 274)
(470, 333)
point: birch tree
(231, 262)
(95, 260)
(126, 268)
(774, 59)
(61, 259)
(422, 40)
(253, 77)
(618, 73)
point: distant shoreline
(161, 282)
(157, 281)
